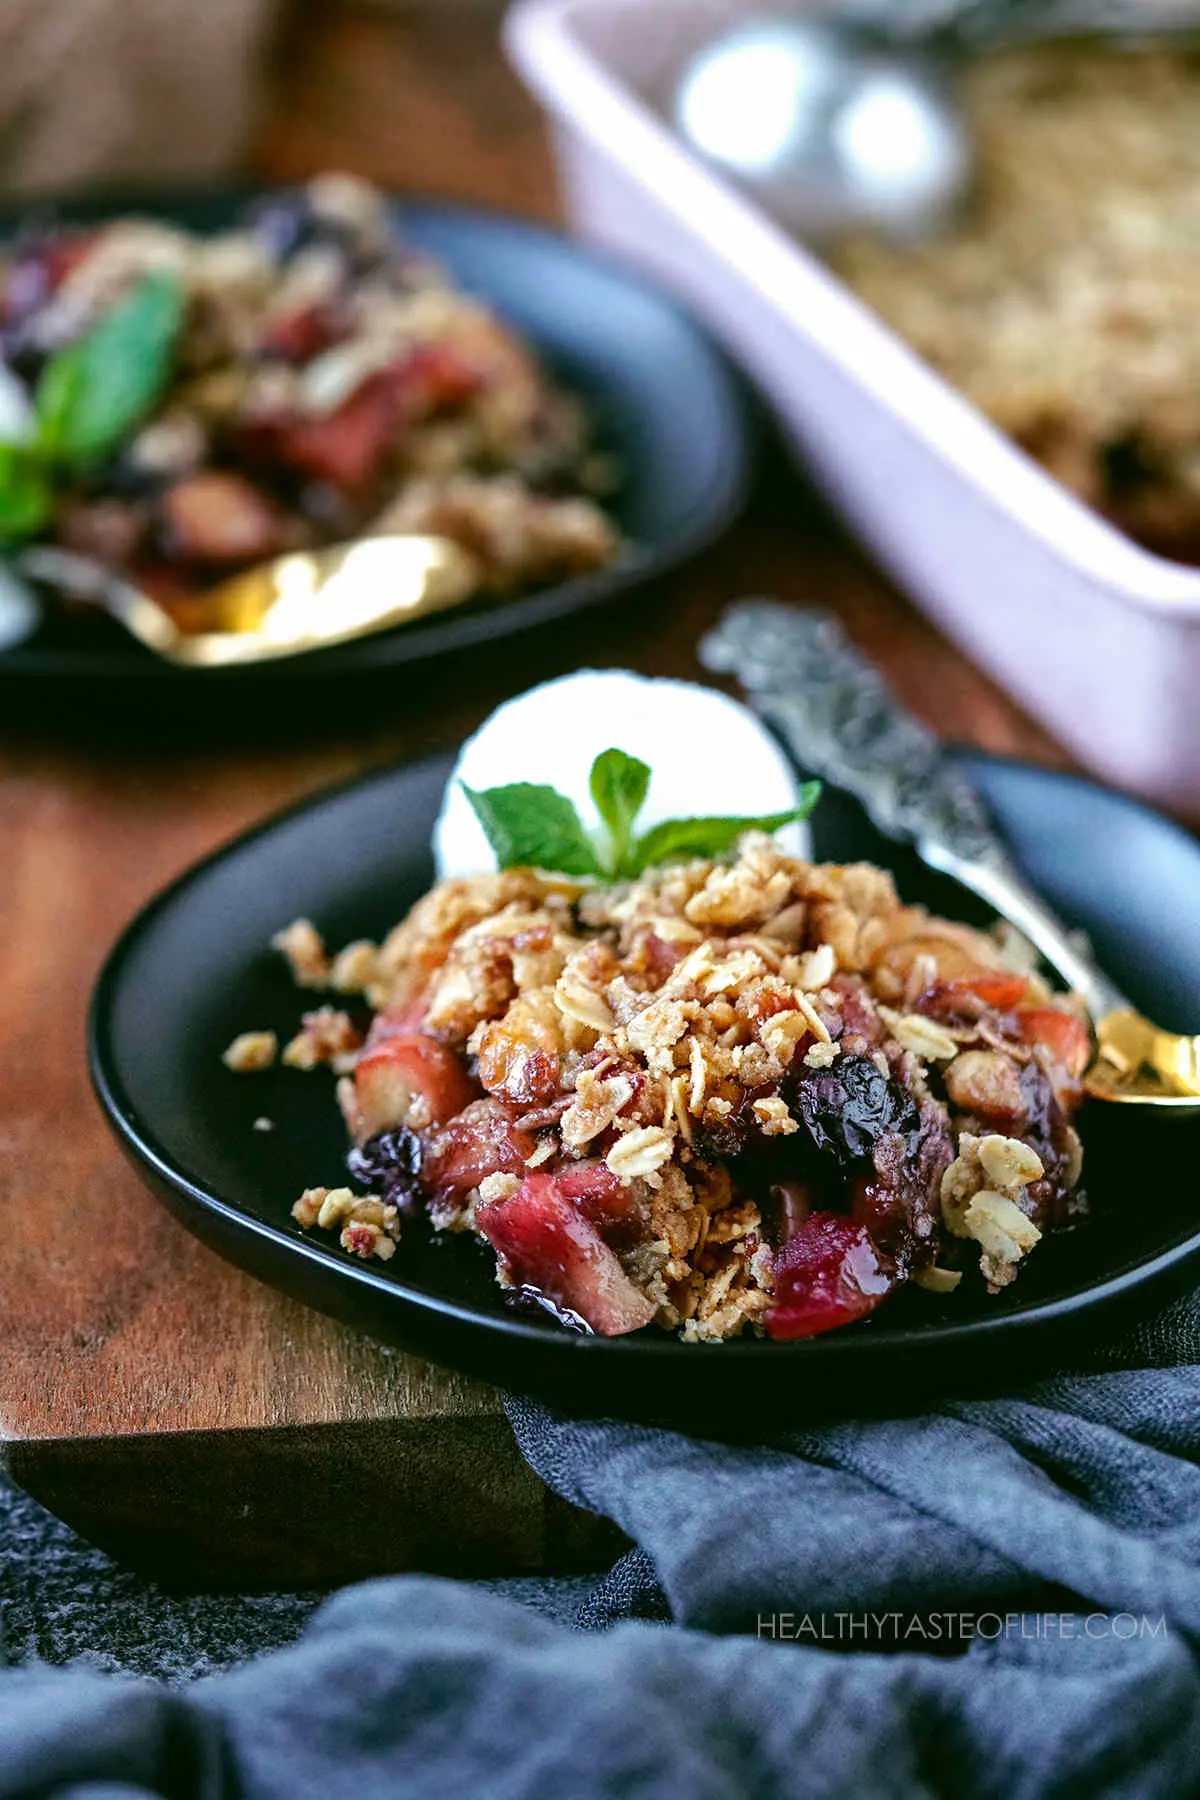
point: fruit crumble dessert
(178, 407)
(1066, 303)
(716, 1090)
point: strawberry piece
(398, 1071)
(546, 1245)
(995, 987)
(481, 1141)
(347, 446)
(433, 378)
(827, 1275)
(1062, 1034)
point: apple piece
(481, 1141)
(547, 1245)
(401, 1070)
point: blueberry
(847, 1108)
(390, 1165)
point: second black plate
(666, 406)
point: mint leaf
(533, 827)
(676, 839)
(92, 393)
(26, 494)
(618, 784)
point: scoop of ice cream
(707, 755)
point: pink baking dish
(1099, 638)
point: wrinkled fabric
(996, 1598)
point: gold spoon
(303, 601)
(836, 716)
(1135, 1061)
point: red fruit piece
(600, 1195)
(303, 333)
(481, 1141)
(827, 1275)
(432, 377)
(546, 1245)
(400, 1021)
(995, 987)
(218, 518)
(347, 446)
(1065, 1037)
(400, 1070)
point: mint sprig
(530, 826)
(89, 397)
(618, 785)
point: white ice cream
(707, 754)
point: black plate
(665, 402)
(194, 969)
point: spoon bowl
(829, 126)
(303, 601)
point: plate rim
(836, 1350)
(712, 515)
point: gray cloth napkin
(998, 1597)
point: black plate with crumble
(666, 407)
(195, 968)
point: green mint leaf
(618, 784)
(677, 839)
(534, 827)
(92, 393)
(26, 494)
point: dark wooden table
(159, 1399)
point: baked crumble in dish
(741, 1094)
(1066, 302)
(179, 407)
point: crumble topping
(326, 1036)
(368, 1227)
(1065, 301)
(251, 1051)
(749, 1095)
(300, 942)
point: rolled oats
(574, 997)
(640, 1152)
(597, 1102)
(921, 1035)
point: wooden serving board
(197, 1424)
(193, 1422)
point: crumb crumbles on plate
(752, 1095)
